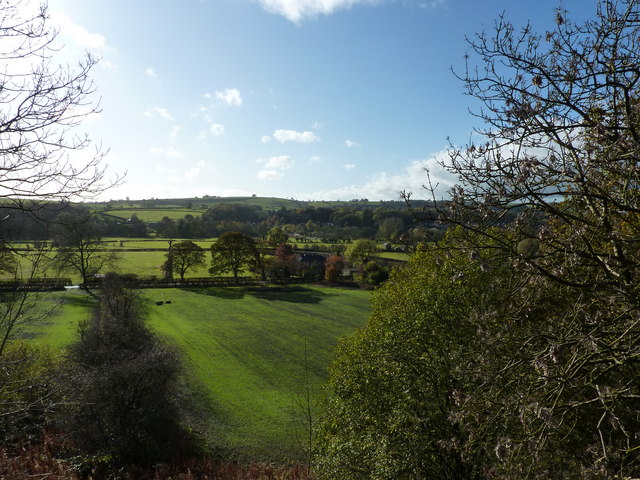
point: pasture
(250, 352)
(152, 215)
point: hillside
(247, 350)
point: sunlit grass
(248, 349)
(251, 349)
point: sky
(304, 99)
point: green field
(154, 214)
(174, 206)
(248, 348)
(146, 243)
(54, 317)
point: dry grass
(45, 461)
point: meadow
(144, 257)
(266, 203)
(250, 353)
(152, 215)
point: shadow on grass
(293, 294)
(80, 301)
(227, 293)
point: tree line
(326, 223)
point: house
(310, 264)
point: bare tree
(41, 104)
(77, 239)
(551, 186)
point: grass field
(145, 243)
(53, 320)
(155, 214)
(250, 350)
(267, 203)
(393, 255)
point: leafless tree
(43, 160)
(40, 104)
(551, 184)
(78, 247)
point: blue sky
(305, 99)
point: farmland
(248, 350)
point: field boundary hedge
(138, 282)
(35, 284)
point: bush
(28, 392)
(122, 383)
(392, 386)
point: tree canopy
(184, 256)
(391, 385)
(511, 349)
(77, 238)
(234, 252)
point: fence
(34, 284)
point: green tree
(122, 388)
(276, 236)
(390, 228)
(361, 250)
(393, 385)
(184, 256)
(373, 273)
(232, 252)
(556, 168)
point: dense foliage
(390, 387)
(536, 373)
(233, 252)
(121, 381)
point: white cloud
(265, 139)
(315, 159)
(230, 96)
(160, 112)
(317, 125)
(151, 72)
(383, 186)
(78, 34)
(167, 152)
(175, 130)
(284, 136)
(431, 4)
(107, 64)
(348, 166)
(298, 10)
(272, 167)
(270, 175)
(197, 170)
(216, 129)
(283, 162)
(352, 144)
(173, 153)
